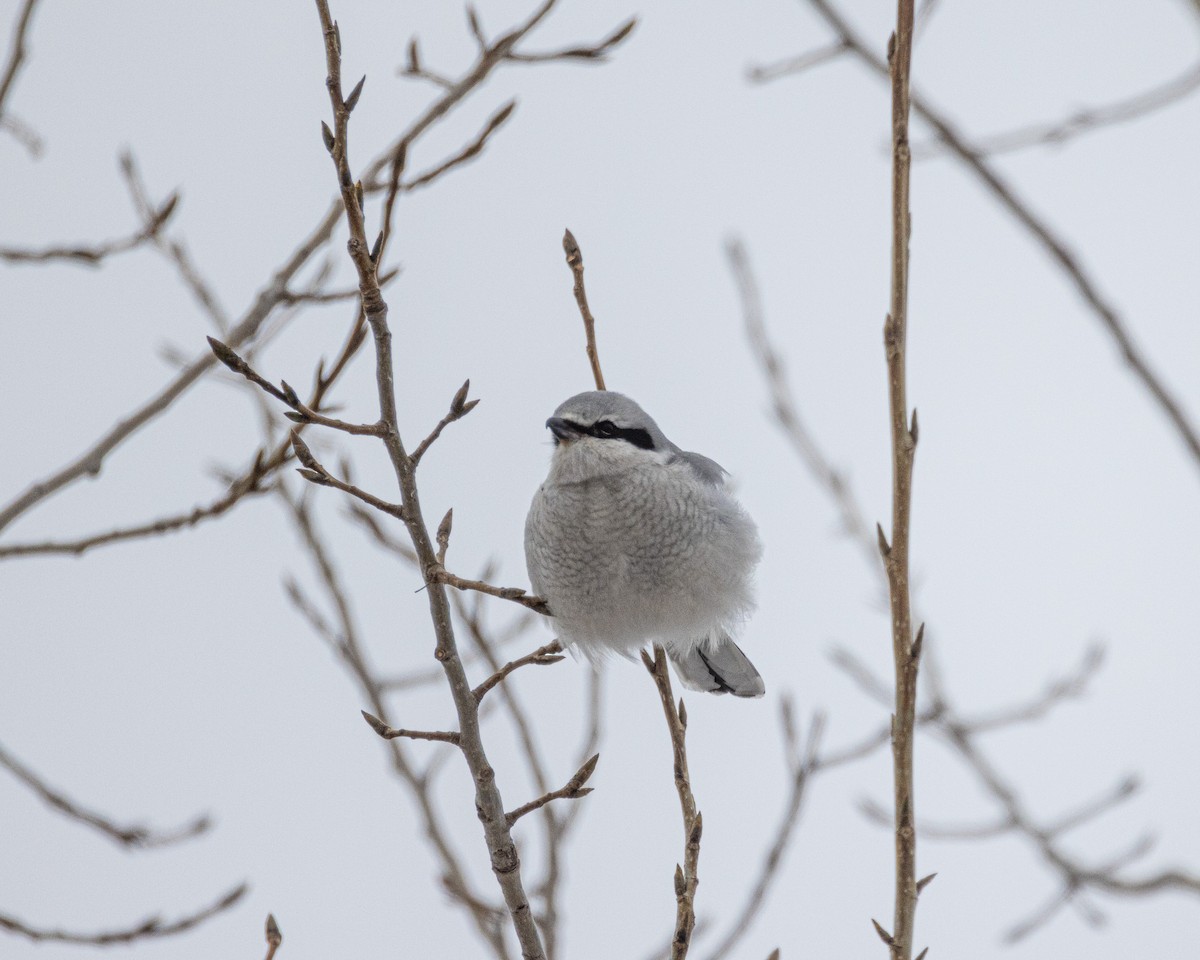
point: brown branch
(1054, 247)
(286, 395)
(575, 262)
(467, 153)
(686, 876)
(93, 255)
(391, 733)
(151, 928)
(253, 481)
(596, 52)
(505, 862)
(17, 51)
(1083, 121)
(23, 133)
(784, 408)
(551, 821)
(439, 574)
(803, 767)
(90, 461)
(459, 408)
(905, 649)
(542, 656)
(765, 73)
(274, 936)
(173, 249)
(127, 836)
(573, 790)
(344, 640)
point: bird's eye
(605, 428)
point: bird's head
(600, 433)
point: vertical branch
(686, 877)
(905, 649)
(489, 804)
(575, 262)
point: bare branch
(1054, 247)
(784, 408)
(596, 52)
(765, 73)
(391, 733)
(247, 485)
(344, 639)
(459, 408)
(17, 51)
(573, 790)
(93, 254)
(467, 153)
(803, 766)
(575, 262)
(687, 878)
(439, 574)
(152, 928)
(905, 649)
(1079, 123)
(254, 480)
(127, 836)
(286, 395)
(542, 656)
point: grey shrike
(631, 540)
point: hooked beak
(562, 429)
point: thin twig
(346, 643)
(573, 790)
(151, 928)
(17, 51)
(127, 836)
(575, 262)
(687, 878)
(489, 804)
(459, 408)
(542, 656)
(1081, 122)
(905, 649)
(391, 733)
(467, 153)
(93, 255)
(439, 574)
(253, 481)
(1054, 247)
(804, 766)
(765, 73)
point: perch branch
(687, 878)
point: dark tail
(718, 668)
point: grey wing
(707, 470)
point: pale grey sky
(1054, 504)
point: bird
(631, 540)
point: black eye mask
(607, 430)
